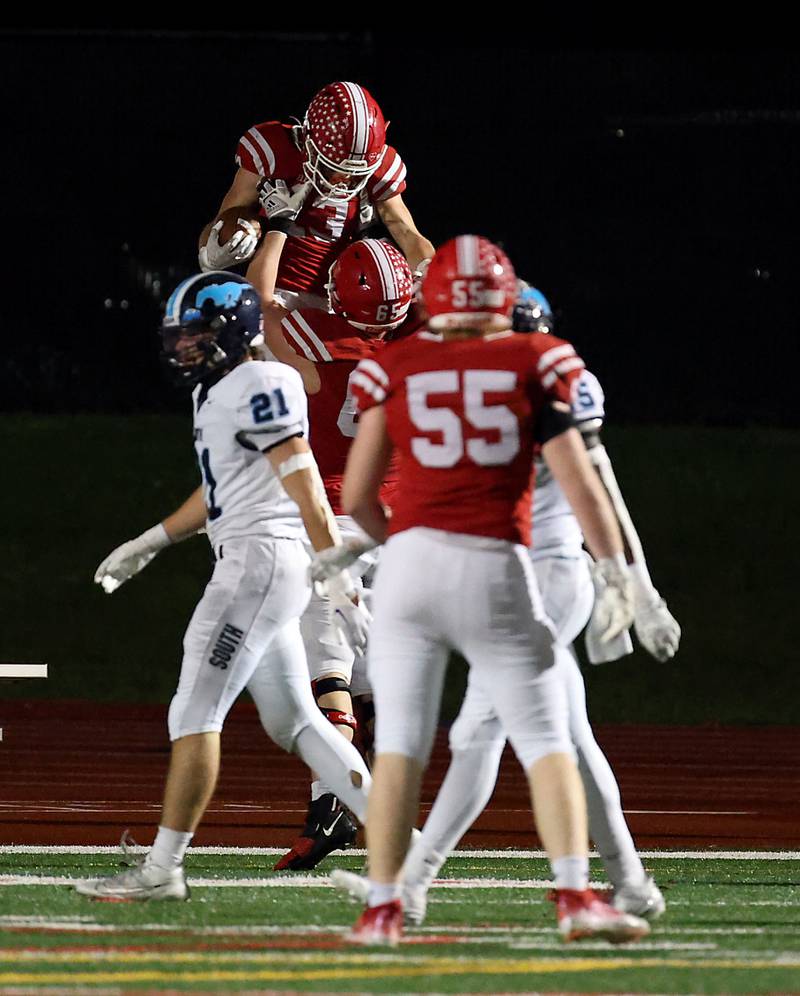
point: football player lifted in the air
(261, 498)
(464, 402)
(477, 738)
(315, 186)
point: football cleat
(144, 882)
(582, 915)
(643, 900)
(356, 886)
(328, 828)
(379, 925)
(415, 904)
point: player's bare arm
(367, 463)
(263, 269)
(187, 520)
(397, 218)
(296, 467)
(273, 337)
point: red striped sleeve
(255, 152)
(299, 334)
(557, 367)
(389, 179)
(369, 383)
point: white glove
(656, 628)
(238, 249)
(351, 618)
(130, 558)
(328, 563)
(279, 203)
(613, 608)
(418, 276)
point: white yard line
(360, 852)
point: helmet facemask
(357, 171)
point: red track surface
(79, 773)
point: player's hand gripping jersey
(336, 347)
(321, 229)
(255, 407)
(464, 416)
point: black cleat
(328, 828)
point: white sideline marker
(23, 670)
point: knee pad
(323, 686)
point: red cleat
(584, 914)
(379, 925)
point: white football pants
(437, 592)
(477, 740)
(245, 632)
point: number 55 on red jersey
(464, 415)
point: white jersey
(256, 406)
(556, 532)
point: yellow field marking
(445, 966)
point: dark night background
(652, 195)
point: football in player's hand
(231, 222)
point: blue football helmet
(210, 321)
(532, 311)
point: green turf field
(732, 926)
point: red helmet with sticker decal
(345, 140)
(370, 285)
(470, 282)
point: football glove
(281, 205)
(418, 276)
(350, 616)
(614, 597)
(130, 558)
(328, 563)
(238, 249)
(656, 628)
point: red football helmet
(470, 281)
(370, 285)
(345, 135)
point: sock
(571, 872)
(379, 894)
(169, 848)
(318, 788)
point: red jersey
(462, 415)
(321, 230)
(336, 348)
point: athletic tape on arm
(297, 461)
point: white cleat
(415, 904)
(144, 882)
(356, 886)
(642, 900)
(584, 915)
